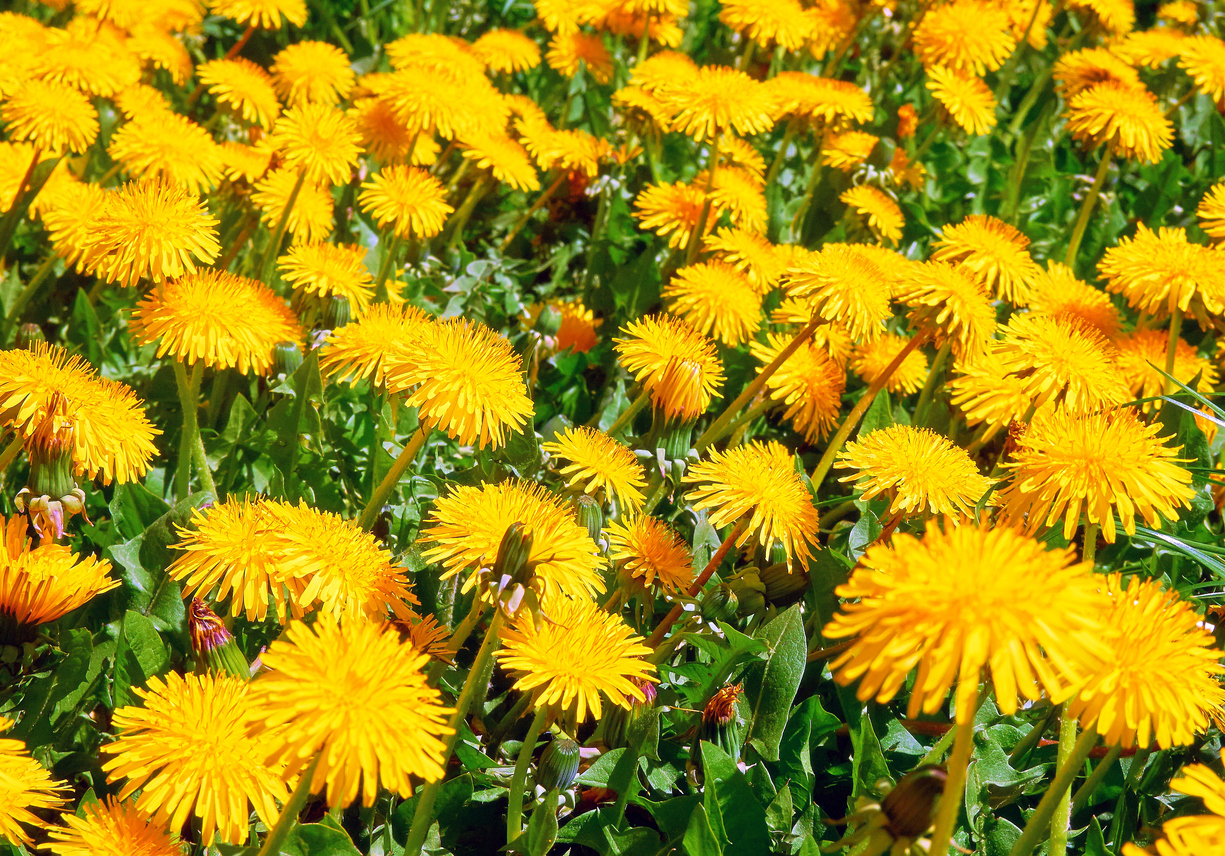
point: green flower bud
(336, 312)
(558, 766)
(286, 358)
(513, 555)
(622, 726)
(719, 603)
(590, 515)
(28, 335)
(216, 650)
(677, 439)
(749, 590)
(721, 725)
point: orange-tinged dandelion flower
(996, 252)
(966, 98)
(1158, 272)
(1141, 361)
(505, 158)
(870, 359)
(1127, 119)
(28, 787)
(718, 99)
(1211, 212)
(506, 51)
(409, 200)
(843, 286)
(676, 364)
(649, 552)
(809, 385)
(387, 138)
(360, 350)
(848, 150)
(878, 209)
(1062, 361)
(819, 100)
(324, 269)
(769, 23)
(112, 828)
(244, 86)
(946, 299)
(312, 72)
(265, 14)
(599, 465)
(1203, 57)
(758, 480)
(310, 219)
(568, 51)
(716, 299)
(578, 326)
(1058, 293)
(1076, 71)
(170, 147)
(319, 139)
(973, 36)
(959, 600)
(52, 116)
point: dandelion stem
(460, 219)
(514, 812)
(190, 447)
(627, 415)
(1071, 759)
(1085, 791)
(743, 421)
(1086, 208)
(493, 740)
(861, 407)
(389, 262)
(936, 753)
(1171, 350)
(21, 199)
(241, 43)
(950, 802)
(527, 215)
(19, 305)
(1088, 552)
(793, 126)
(289, 813)
(929, 386)
(371, 512)
(274, 243)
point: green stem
(189, 396)
(950, 802)
(527, 215)
(389, 263)
(248, 227)
(1136, 770)
(278, 235)
(601, 216)
(1069, 767)
(743, 421)
(1062, 816)
(14, 316)
(936, 753)
(1005, 75)
(1031, 97)
(289, 812)
(514, 813)
(1089, 550)
(371, 512)
(11, 451)
(1019, 752)
(1085, 791)
(656, 490)
(460, 219)
(1086, 208)
(627, 415)
(1171, 350)
(493, 740)
(929, 386)
(21, 200)
(780, 158)
(797, 222)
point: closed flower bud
(286, 358)
(677, 439)
(720, 603)
(749, 590)
(590, 516)
(216, 650)
(558, 765)
(513, 552)
(721, 725)
(623, 725)
(784, 586)
(336, 312)
(27, 335)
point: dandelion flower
(435, 51)
(820, 101)
(995, 251)
(1141, 361)
(27, 787)
(506, 51)
(947, 299)
(319, 139)
(1058, 293)
(1151, 48)
(760, 480)
(243, 85)
(360, 350)
(409, 200)
(971, 36)
(310, 219)
(1116, 16)
(768, 23)
(88, 55)
(387, 138)
(573, 151)
(505, 158)
(265, 14)
(882, 214)
(1158, 272)
(919, 471)
(1104, 463)
(718, 99)
(650, 552)
(742, 154)
(171, 147)
(843, 286)
(1062, 361)
(450, 105)
(673, 211)
(1203, 57)
(162, 49)
(466, 526)
(968, 100)
(578, 326)
(1076, 71)
(112, 828)
(1181, 12)
(737, 192)
(809, 384)
(959, 600)
(987, 392)
(579, 655)
(905, 172)
(1211, 212)
(312, 72)
(869, 361)
(599, 465)
(716, 299)
(329, 269)
(749, 252)
(848, 150)
(568, 51)
(1127, 119)
(52, 116)
(675, 363)
(227, 321)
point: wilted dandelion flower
(360, 350)
(502, 156)
(965, 35)
(54, 117)
(167, 146)
(1158, 272)
(675, 363)
(354, 695)
(1127, 119)
(112, 828)
(310, 219)
(468, 379)
(843, 286)
(1062, 361)
(599, 465)
(1203, 57)
(312, 72)
(918, 470)
(878, 209)
(265, 14)
(1059, 294)
(716, 299)
(244, 86)
(576, 657)
(325, 269)
(1103, 464)
(189, 752)
(809, 384)
(870, 359)
(1077, 70)
(506, 51)
(673, 211)
(946, 299)
(319, 139)
(1141, 360)
(996, 252)
(960, 600)
(27, 786)
(568, 50)
(466, 527)
(968, 100)
(1211, 212)
(717, 99)
(409, 200)
(759, 480)
(227, 321)
(650, 552)
(768, 23)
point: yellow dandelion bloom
(315, 72)
(920, 471)
(227, 321)
(359, 350)
(506, 51)
(325, 269)
(409, 200)
(1127, 119)
(27, 787)
(505, 158)
(162, 49)
(387, 138)
(319, 139)
(1058, 293)
(15, 159)
(310, 219)
(140, 100)
(68, 213)
(1076, 71)
(966, 98)
(737, 192)
(972, 36)
(245, 163)
(112, 437)
(112, 828)
(759, 480)
(265, 14)
(673, 211)
(1211, 212)
(1203, 57)
(843, 286)
(869, 361)
(466, 526)
(1032, 16)
(947, 299)
(996, 252)
(959, 600)
(676, 364)
(54, 117)
(1184, 12)
(907, 173)
(988, 393)
(193, 750)
(1152, 48)
(577, 330)
(768, 23)
(848, 150)
(170, 147)
(88, 55)
(741, 153)
(449, 104)
(599, 465)
(1158, 272)
(1102, 463)
(878, 209)
(718, 99)
(819, 100)
(244, 86)
(568, 51)
(1062, 362)
(809, 384)
(574, 151)
(1141, 360)
(355, 695)
(434, 50)
(716, 299)
(1115, 16)
(580, 654)
(750, 253)
(650, 552)
(425, 635)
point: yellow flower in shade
(319, 139)
(505, 158)
(162, 49)
(759, 480)
(959, 600)
(27, 787)
(265, 14)
(675, 363)
(468, 379)
(673, 211)
(386, 138)
(599, 465)
(140, 100)
(1203, 57)
(54, 117)
(1211, 212)
(848, 150)
(1103, 463)
(575, 657)
(1058, 293)
(570, 50)
(819, 100)
(1185, 836)
(988, 393)
(189, 752)
(768, 23)
(1157, 272)
(1032, 17)
(1182, 12)
(906, 173)
(578, 326)
(715, 100)
(1141, 361)
(227, 321)
(965, 98)
(1116, 16)
(44, 584)
(971, 36)
(310, 219)
(1062, 362)
(170, 147)
(843, 286)
(355, 695)
(716, 299)
(734, 151)
(650, 552)
(918, 470)
(359, 350)
(466, 526)
(112, 437)
(1152, 48)
(148, 230)
(1160, 679)
(809, 384)
(1126, 118)
(1076, 71)
(749, 252)
(947, 299)
(112, 828)
(996, 252)
(869, 361)
(409, 200)
(244, 86)
(877, 208)
(506, 51)
(312, 72)
(329, 269)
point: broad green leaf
(879, 415)
(542, 828)
(139, 655)
(771, 685)
(868, 761)
(742, 816)
(700, 838)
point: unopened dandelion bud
(51, 496)
(513, 552)
(911, 806)
(216, 650)
(286, 358)
(677, 439)
(558, 767)
(591, 516)
(721, 724)
(336, 312)
(623, 726)
(720, 603)
(784, 586)
(749, 591)
(27, 335)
